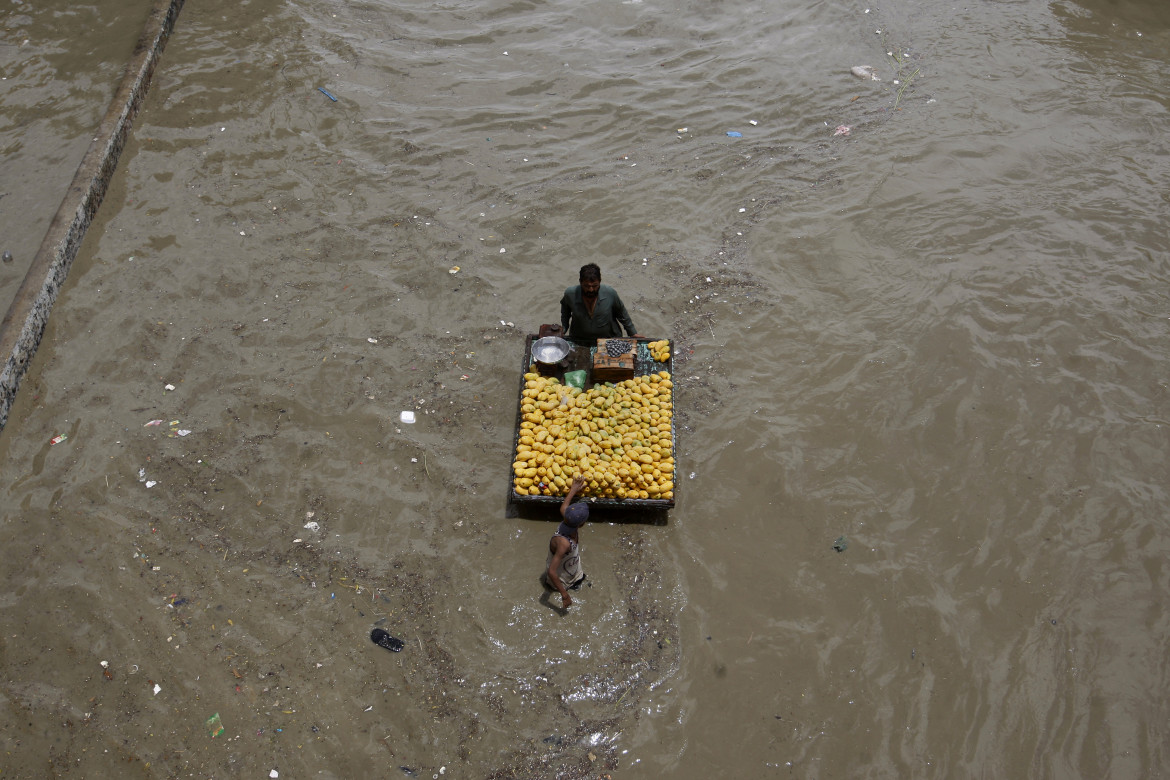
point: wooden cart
(581, 358)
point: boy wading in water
(564, 561)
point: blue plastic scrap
(327, 94)
(734, 134)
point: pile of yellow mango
(659, 350)
(616, 436)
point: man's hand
(566, 601)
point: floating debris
(867, 72)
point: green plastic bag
(575, 379)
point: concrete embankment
(24, 323)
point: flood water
(937, 340)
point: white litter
(407, 417)
(157, 688)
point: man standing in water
(592, 310)
(564, 560)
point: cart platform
(603, 448)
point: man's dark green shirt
(607, 313)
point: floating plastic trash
(407, 417)
(734, 134)
(326, 93)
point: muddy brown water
(941, 338)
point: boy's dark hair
(590, 272)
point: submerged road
(29, 308)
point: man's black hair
(590, 272)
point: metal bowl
(550, 349)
